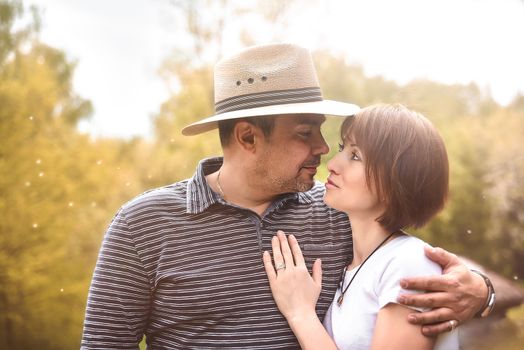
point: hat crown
(264, 68)
(273, 79)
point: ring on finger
(281, 266)
(453, 324)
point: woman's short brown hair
(405, 162)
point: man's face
(288, 160)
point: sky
(119, 46)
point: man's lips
(311, 168)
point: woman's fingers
(285, 250)
(317, 272)
(268, 265)
(297, 252)
(277, 254)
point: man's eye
(305, 133)
(340, 147)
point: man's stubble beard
(280, 185)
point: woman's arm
(296, 292)
(392, 330)
(311, 334)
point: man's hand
(458, 294)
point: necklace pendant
(340, 300)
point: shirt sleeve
(410, 262)
(119, 296)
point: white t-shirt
(376, 285)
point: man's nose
(321, 146)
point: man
(182, 264)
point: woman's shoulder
(408, 242)
(402, 257)
(406, 257)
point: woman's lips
(330, 183)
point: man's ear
(246, 135)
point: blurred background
(93, 95)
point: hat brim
(328, 107)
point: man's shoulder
(172, 195)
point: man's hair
(406, 163)
(226, 127)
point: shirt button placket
(258, 227)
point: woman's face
(346, 187)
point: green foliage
(56, 192)
(517, 317)
(176, 155)
(506, 334)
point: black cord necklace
(340, 299)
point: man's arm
(118, 301)
(458, 294)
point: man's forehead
(299, 119)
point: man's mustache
(311, 163)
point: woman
(391, 174)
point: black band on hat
(268, 98)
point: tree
(56, 189)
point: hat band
(268, 98)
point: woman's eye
(354, 156)
(340, 147)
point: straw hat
(267, 80)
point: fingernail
(403, 283)
(412, 318)
(401, 299)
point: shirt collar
(200, 196)
(304, 197)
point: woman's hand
(295, 291)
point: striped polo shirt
(184, 267)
